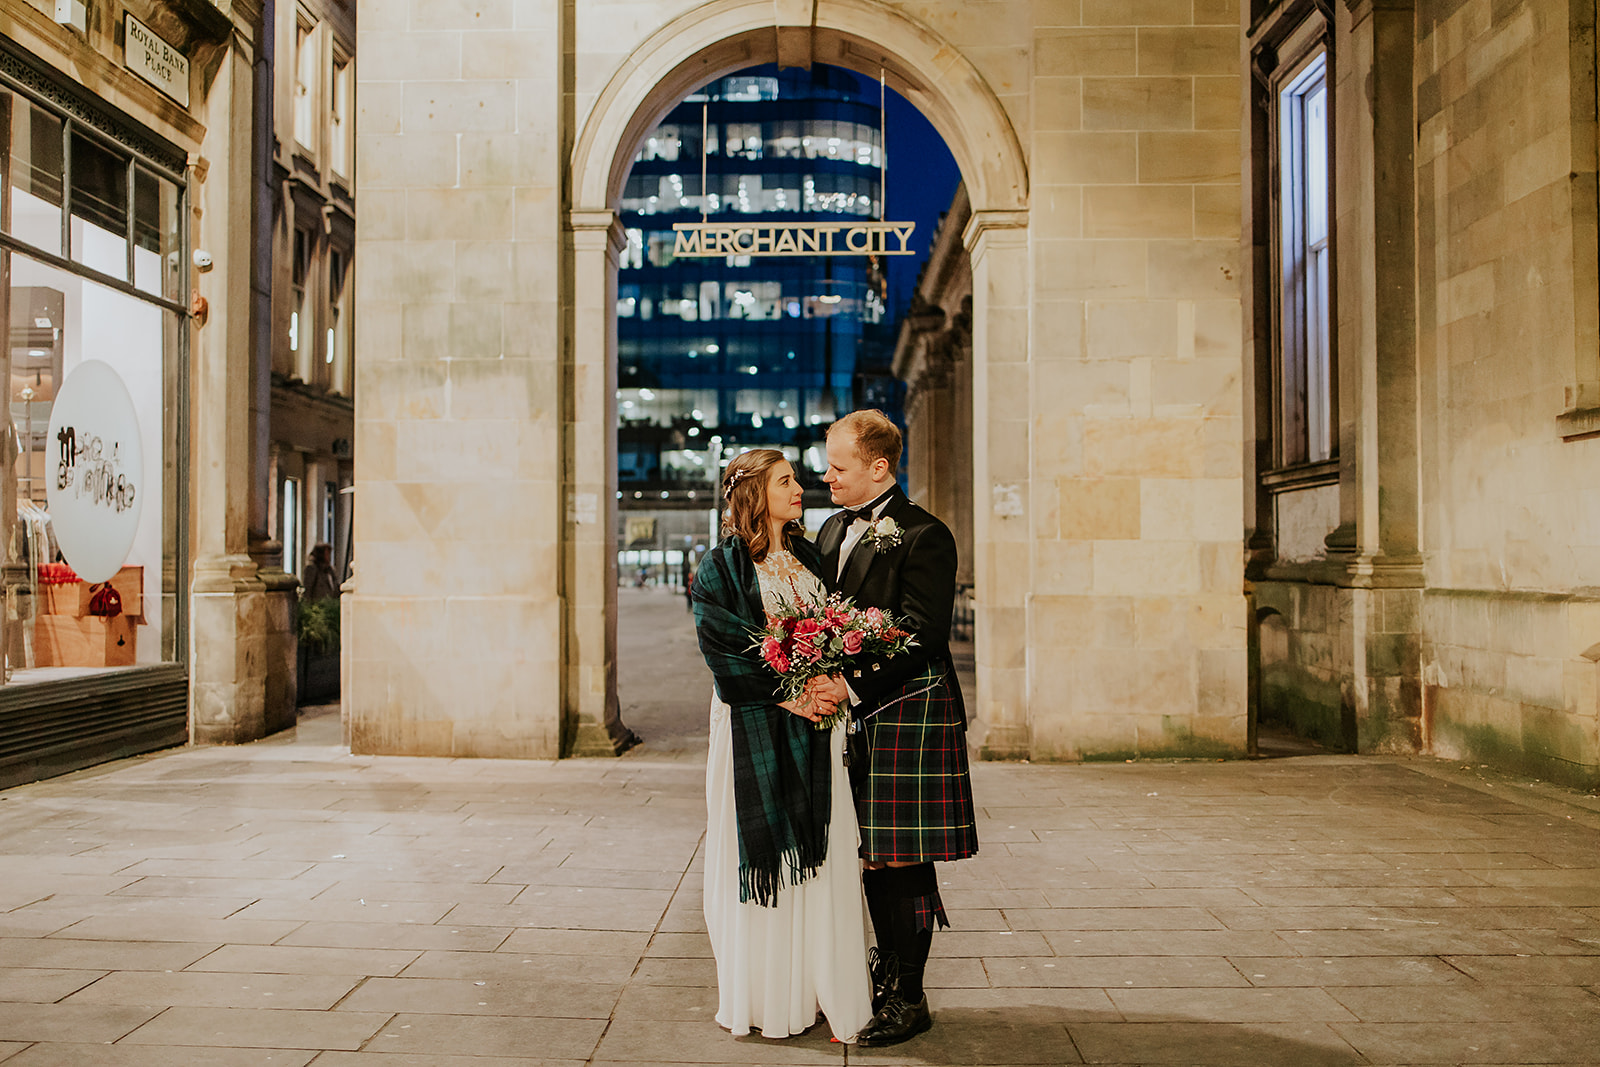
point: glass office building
(721, 355)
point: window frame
(306, 95)
(341, 116)
(1303, 327)
(1285, 40)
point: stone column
(1377, 543)
(591, 725)
(453, 631)
(228, 646)
(1001, 410)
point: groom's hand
(829, 687)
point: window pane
(339, 120)
(33, 201)
(156, 218)
(305, 87)
(99, 207)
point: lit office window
(1306, 358)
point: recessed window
(1305, 313)
(307, 65)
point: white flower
(883, 534)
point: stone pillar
(228, 646)
(1377, 543)
(1001, 411)
(454, 629)
(591, 725)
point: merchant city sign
(804, 239)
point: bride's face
(783, 493)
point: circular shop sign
(94, 470)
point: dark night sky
(922, 179)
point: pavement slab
(287, 903)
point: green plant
(316, 623)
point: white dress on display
(776, 966)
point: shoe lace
(885, 967)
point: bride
(783, 900)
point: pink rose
(852, 642)
(874, 617)
(804, 649)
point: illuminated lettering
(704, 239)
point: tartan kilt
(914, 799)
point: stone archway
(713, 40)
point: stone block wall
(454, 629)
(1134, 613)
(1511, 680)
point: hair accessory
(734, 478)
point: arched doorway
(861, 36)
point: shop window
(307, 67)
(95, 348)
(1305, 336)
(339, 117)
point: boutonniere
(882, 534)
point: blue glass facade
(719, 355)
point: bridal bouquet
(806, 641)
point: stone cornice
(983, 223)
(593, 221)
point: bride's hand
(805, 707)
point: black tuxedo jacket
(915, 581)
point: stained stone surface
(286, 903)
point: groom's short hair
(877, 437)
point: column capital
(591, 225)
(985, 225)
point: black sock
(880, 893)
(915, 909)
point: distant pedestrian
(322, 581)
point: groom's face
(851, 481)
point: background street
(286, 903)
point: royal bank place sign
(155, 60)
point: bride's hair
(744, 491)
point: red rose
(852, 642)
(772, 652)
(807, 628)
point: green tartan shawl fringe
(782, 779)
(761, 885)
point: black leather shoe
(897, 1021)
(885, 968)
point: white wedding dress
(776, 966)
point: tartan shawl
(781, 774)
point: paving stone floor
(286, 903)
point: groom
(913, 793)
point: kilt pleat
(914, 803)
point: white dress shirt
(856, 531)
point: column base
(242, 652)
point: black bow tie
(863, 515)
